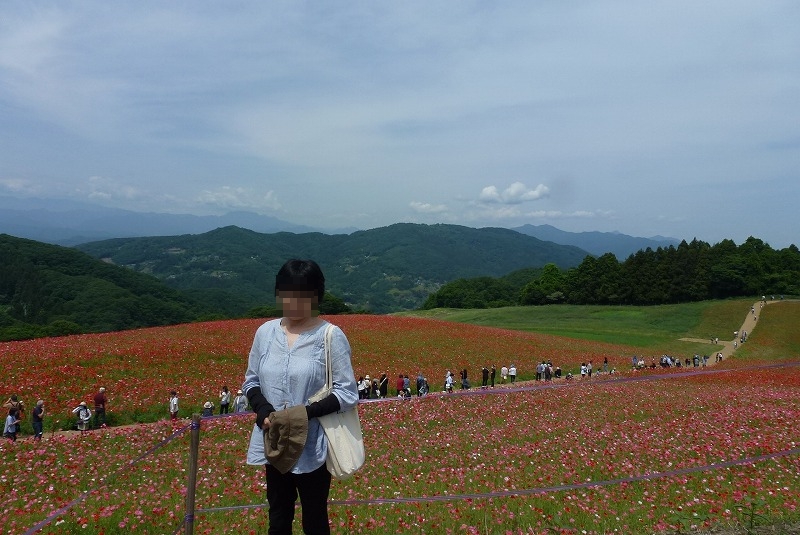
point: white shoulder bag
(342, 429)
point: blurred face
(297, 305)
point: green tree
(548, 288)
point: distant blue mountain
(69, 223)
(597, 243)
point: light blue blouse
(288, 377)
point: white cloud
(516, 193)
(427, 208)
(18, 185)
(227, 197)
(269, 200)
(514, 214)
(558, 214)
(108, 189)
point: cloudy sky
(677, 118)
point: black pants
(223, 408)
(99, 417)
(282, 491)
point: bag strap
(328, 371)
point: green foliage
(330, 305)
(548, 288)
(482, 292)
(689, 272)
(333, 305)
(47, 290)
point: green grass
(655, 327)
(777, 336)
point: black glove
(260, 405)
(326, 405)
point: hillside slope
(53, 290)
(382, 270)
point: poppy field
(644, 452)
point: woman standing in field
(224, 400)
(383, 386)
(10, 428)
(173, 405)
(287, 366)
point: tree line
(694, 271)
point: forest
(694, 271)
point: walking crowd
(403, 387)
(88, 417)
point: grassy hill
(52, 290)
(385, 269)
(651, 328)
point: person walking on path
(13, 402)
(173, 405)
(383, 386)
(10, 428)
(239, 402)
(100, 401)
(512, 373)
(84, 415)
(37, 420)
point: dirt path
(728, 347)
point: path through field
(728, 347)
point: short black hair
(301, 276)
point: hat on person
(102, 389)
(83, 403)
(239, 392)
(366, 377)
(207, 405)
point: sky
(679, 119)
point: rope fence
(187, 524)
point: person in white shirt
(224, 400)
(173, 405)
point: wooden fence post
(191, 487)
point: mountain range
(597, 243)
(64, 222)
(381, 270)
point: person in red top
(400, 384)
(100, 401)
